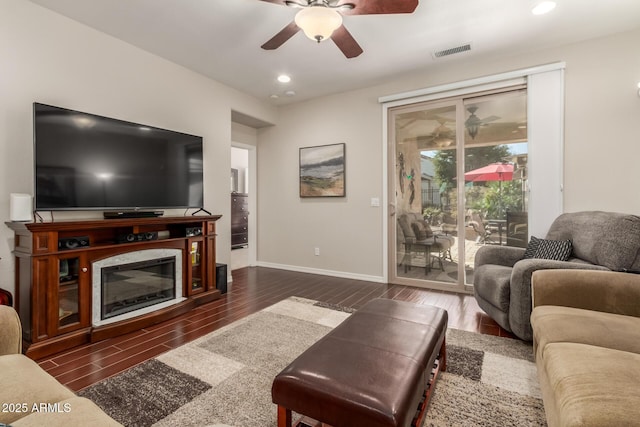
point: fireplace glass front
(130, 287)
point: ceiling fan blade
(285, 34)
(490, 119)
(295, 4)
(346, 43)
(282, 2)
(373, 7)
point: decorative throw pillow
(532, 247)
(427, 229)
(419, 230)
(559, 250)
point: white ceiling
(222, 38)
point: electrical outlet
(316, 251)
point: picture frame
(322, 171)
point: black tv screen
(88, 162)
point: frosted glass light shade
(543, 7)
(318, 22)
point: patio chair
(480, 226)
(418, 238)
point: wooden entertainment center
(54, 274)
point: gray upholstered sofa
(585, 330)
(600, 241)
(32, 397)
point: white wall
(48, 58)
(346, 229)
(243, 134)
(602, 149)
(602, 129)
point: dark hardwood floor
(252, 290)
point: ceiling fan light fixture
(318, 22)
(543, 7)
(473, 122)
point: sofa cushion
(24, 382)
(421, 229)
(592, 386)
(75, 411)
(405, 226)
(553, 324)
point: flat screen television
(89, 162)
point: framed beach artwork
(322, 171)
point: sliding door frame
(545, 136)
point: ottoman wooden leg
(284, 417)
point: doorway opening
(240, 213)
(459, 182)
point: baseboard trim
(332, 273)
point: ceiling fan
(441, 137)
(322, 19)
(473, 123)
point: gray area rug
(224, 378)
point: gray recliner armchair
(600, 241)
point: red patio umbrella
(491, 172)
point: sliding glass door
(457, 182)
(424, 146)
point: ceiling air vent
(452, 50)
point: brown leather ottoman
(373, 370)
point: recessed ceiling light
(273, 96)
(290, 93)
(543, 7)
(283, 78)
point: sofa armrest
(10, 331)
(499, 255)
(607, 291)
(520, 301)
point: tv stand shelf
(54, 274)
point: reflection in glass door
(439, 221)
(495, 178)
(426, 205)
